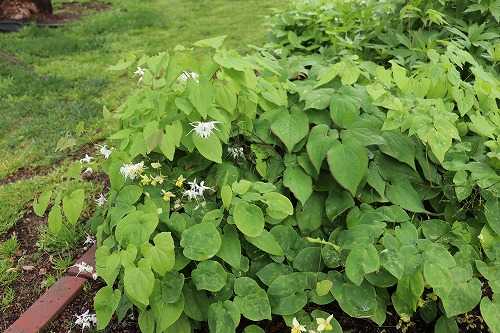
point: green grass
(53, 79)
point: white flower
(297, 327)
(86, 159)
(88, 171)
(236, 152)
(83, 267)
(196, 190)
(324, 324)
(101, 200)
(204, 129)
(188, 76)
(140, 73)
(86, 320)
(104, 151)
(156, 165)
(132, 170)
(94, 276)
(89, 241)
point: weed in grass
(48, 281)
(66, 240)
(7, 297)
(8, 248)
(8, 274)
(61, 263)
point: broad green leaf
(291, 128)
(344, 110)
(337, 202)
(408, 293)
(182, 325)
(136, 228)
(318, 144)
(215, 42)
(139, 283)
(40, 205)
(253, 329)
(402, 193)
(266, 242)
(310, 217)
(196, 303)
(271, 271)
(489, 312)
(171, 139)
(248, 218)
(54, 220)
(492, 213)
(161, 255)
(399, 146)
(361, 261)
(209, 275)
(348, 164)
(223, 317)
(169, 288)
(166, 314)
(73, 205)
(107, 264)
(152, 135)
(201, 241)
(129, 195)
(446, 325)
(356, 301)
(230, 250)
(105, 304)
(251, 300)
(288, 305)
(308, 260)
(227, 196)
(323, 287)
(225, 96)
(146, 321)
(210, 147)
(278, 206)
(299, 182)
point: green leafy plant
(260, 185)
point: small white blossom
(204, 128)
(94, 276)
(156, 165)
(86, 320)
(196, 191)
(83, 267)
(188, 76)
(140, 73)
(132, 170)
(86, 159)
(105, 151)
(89, 241)
(297, 327)
(236, 152)
(88, 171)
(101, 200)
(324, 324)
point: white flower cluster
(86, 320)
(132, 170)
(236, 152)
(196, 191)
(87, 159)
(323, 325)
(188, 76)
(140, 73)
(204, 128)
(83, 267)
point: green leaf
(225, 96)
(492, 213)
(278, 206)
(248, 218)
(230, 250)
(348, 164)
(253, 329)
(337, 202)
(166, 314)
(105, 304)
(344, 110)
(489, 312)
(323, 287)
(399, 146)
(40, 205)
(139, 283)
(408, 293)
(310, 217)
(146, 321)
(136, 228)
(267, 243)
(299, 182)
(129, 195)
(209, 275)
(73, 205)
(210, 148)
(215, 42)
(162, 255)
(361, 261)
(291, 128)
(226, 195)
(402, 193)
(318, 144)
(201, 241)
(251, 300)
(107, 265)
(446, 325)
(223, 317)
(171, 139)
(182, 325)
(356, 301)
(55, 220)
(169, 288)
(308, 260)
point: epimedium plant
(260, 185)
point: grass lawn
(52, 80)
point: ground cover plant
(53, 86)
(342, 164)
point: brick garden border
(55, 299)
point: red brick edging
(55, 299)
